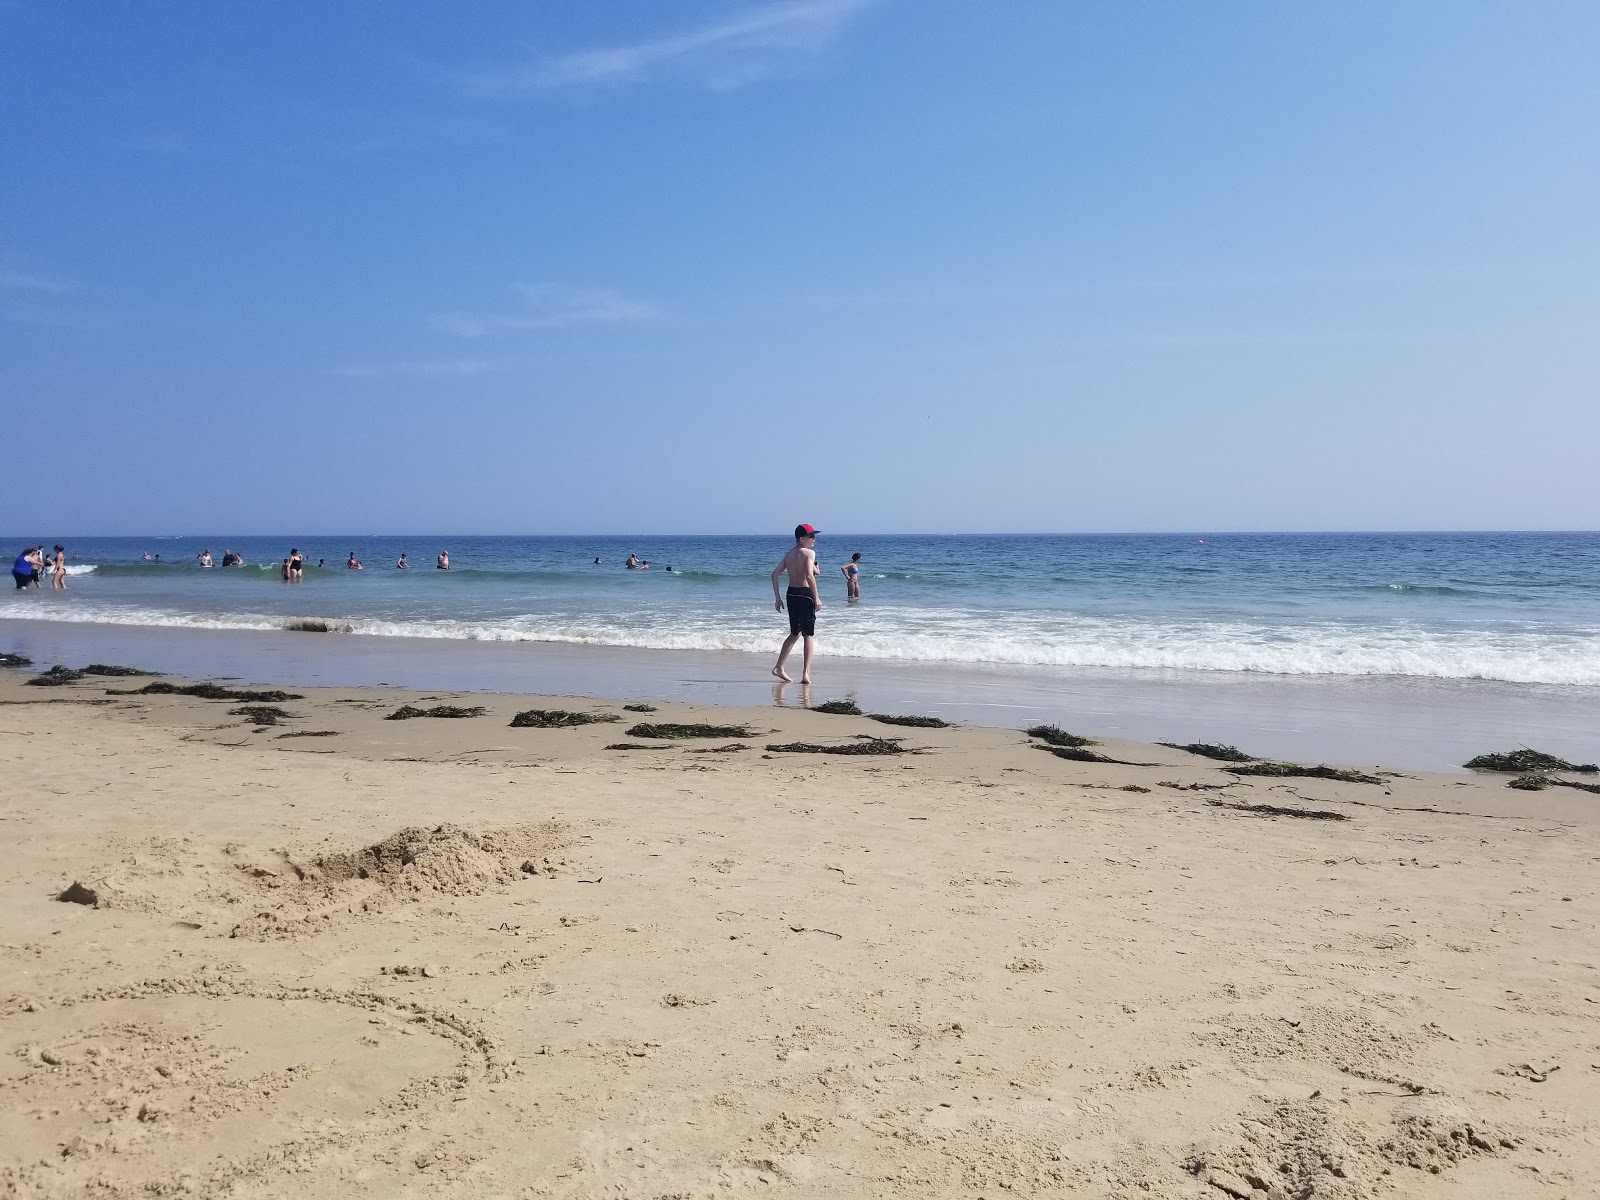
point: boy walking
(802, 598)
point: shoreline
(1410, 723)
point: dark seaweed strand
(640, 708)
(1079, 754)
(869, 745)
(672, 730)
(208, 691)
(57, 676)
(1057, 736)
(838, 708)
(1211, 750)
(559, 718)
(113, 669)
(910, 722)
(15, 660)
(1281, 770)
(406, 712)
(1274, 810)
(1524, 761)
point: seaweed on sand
(910, 722)
(310, 733)
(638, 708)
(1524, 761)
(1057, 736)
(730, 748)
(559, 718)
(262, 714)
(669, 729)
(870, 745)
(56, 677)
(1274, 810)
(1283, 770)
(113, 669)
(15, 660)
(838, 708)
(208, 691)
(1079, 754)
(1537, 783)
(406, 712)
(1211, 750)
(634, 746)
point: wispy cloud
(550, 306)
(20, 282)
(727, 53)
(454, 366)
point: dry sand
(453, 958)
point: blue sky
(882, 265)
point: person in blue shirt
(22, 569)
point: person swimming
(352, 563)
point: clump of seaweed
(113, 669)
(209, 691)
(1523, 761)
(1537, 783)
(730, 748)
(1211, 750)
(1274, 810)
(638, 708)
(632, 746)
(669, 729)
(910, 722)
(838, 708)
(559, 718)
(1283, 770)
(1057, 736)
(57, 676)
(262, 714)
(869, 745)
(407, 711)
(15, 660)
(1079, 754)
(309, 733)
(1132, 787)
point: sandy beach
(450, 957)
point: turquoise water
(1516, 607)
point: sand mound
(445, 860)
(242, 892)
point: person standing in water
(58, 569)
(400, 563)
(444, 561)
(852, 578)
(802, 599)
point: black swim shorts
(802, 608)
(22, 580)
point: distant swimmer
(633, 562)
(644, 564)
(852, 577)
(205, 557)
(444, 561)
(288, 575)
(58, 569)
(597, 560)
(230, 559)
(400, 563)
(352, 563)
(147, 556)
(802, 599)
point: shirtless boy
(802, 598)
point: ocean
(1517, 608)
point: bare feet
(806, 679)
(779, 672)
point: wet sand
(448, 957)
(1421, 724)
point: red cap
(801, 531)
